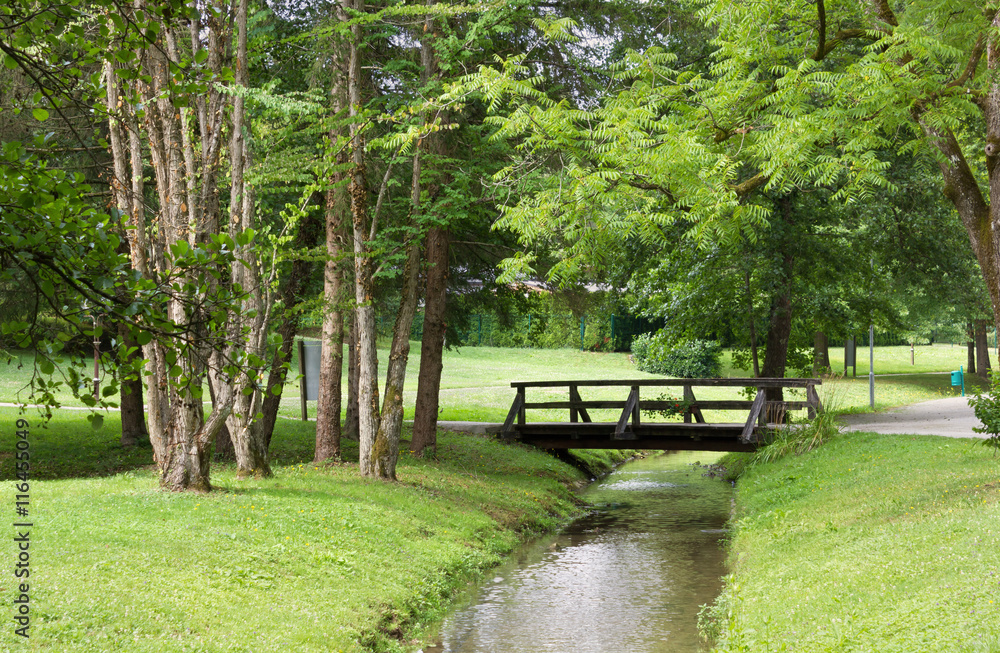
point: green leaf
(143, 338)
(40, 114)
(180, 248)
(46, 367)
(96, 420)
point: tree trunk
(432, 344)
(351, 428)
(821, 353)
(364, 295)
(133, 415)
(982, 350)
(970, 346)
(338, 207)
(328, 406)
(432, 341)
(778, 333)
(250, 322)
(288, 328)
(779, 329)
(224, 450)
(385, 452)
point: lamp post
(871, 365)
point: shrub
(987, 408)
(690, 360)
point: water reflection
(628, 577)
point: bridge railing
(761, 411)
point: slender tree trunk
(778, 334)
(385, 452)
(223, 449)
(288, 328)
(250, 322)
(982, 349)
(338, 208)
(821, 353)
(368, 407)
(780, 328)
(970, 347)
(328, 430)
(351, 428)
(133, 415)
(432, 343)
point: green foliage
(986, 405)
(691, 359)
(794, 440)
(677, 406)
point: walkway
(951, 417)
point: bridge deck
(630, 432)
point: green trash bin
(958, 379)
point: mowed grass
(475, 383)
(315, 559)
(869, 543)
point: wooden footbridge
(631, 432)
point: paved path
(951, 417)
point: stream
(630, 576)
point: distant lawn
(475, 385)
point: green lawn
(870, 543)
(476, 381)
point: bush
(987, 408)
(690, 360)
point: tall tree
(337, 212)
(182, 122)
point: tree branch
(821, 45)
(748, 186)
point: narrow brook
(630, 577)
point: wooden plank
(666, 443)
(707, 430)
(755, 414)
(507, 431)
(573, 410)
(647, 404)
(520, 414)
(812, 401)
(636, 419)
(630, 405)
(744, 382)
(575, 396)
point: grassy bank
(315, 559)
(869, 543)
